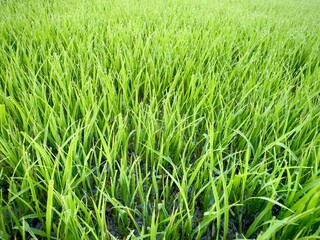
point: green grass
(167, 119)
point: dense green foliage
(189, 119)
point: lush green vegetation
(160, 119)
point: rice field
(167, 119)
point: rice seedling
(159, 119)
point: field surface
(167, 119)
